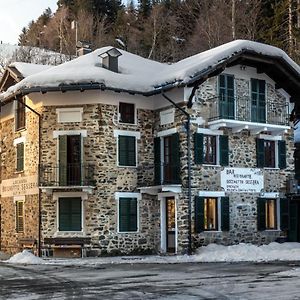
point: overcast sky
(16, 14)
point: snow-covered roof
(144, 76)
(27, 69)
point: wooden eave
(10, 77)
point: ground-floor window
(211, 213)
(70, 214)
(19, 216)
(271, 214)
(128, 215)
(267, 214)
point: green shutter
(260, 153)
(70, 214)
(199, 214)
(20, 157)
(261, 214)
(226, 91)
(281, 154)
(175, 158)
(127, 150)
(127, 214)
(297, 161)
(63, 159)
(224, 150)
(198, 148)
(157, 161)
(225, 222)
(284, 214)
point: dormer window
(110, 59)
(126, 113)
(20, 116)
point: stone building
(117, 154)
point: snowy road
(150, 281)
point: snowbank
(249, 252)
(25, 257)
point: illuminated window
(271, 216)
(210, 214)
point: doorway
(294, 231)
(170, 225)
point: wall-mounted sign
(242, 180)
(20, 186)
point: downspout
(188, 137)
(39, 161)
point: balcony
(244, 113)
(67, 176)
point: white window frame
(137, 136)
(216, 133)
(138, 197)
(83, 197)
(274, 196)
(135, 113)
(218, 195)
(275, 139)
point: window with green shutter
(199, 214)
(226, 92)
(281, 154)
(258, 100)
(20, 157)
(19, 216)
(225, 219)
(128, 217)
(127, 151)
(70, 215)
(284, 213)
(224, 150)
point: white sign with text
(242, 180)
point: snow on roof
(140, 75)
(27, 69)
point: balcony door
(226, 94)
(258, 101)
(70, 160)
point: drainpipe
(188, 137)
(39, 161)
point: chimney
(110, 59)
(83, 48)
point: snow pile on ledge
(249, 252)
(25, 257)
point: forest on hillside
(165, 30)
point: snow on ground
(290, 273)
(25, 257)
(211, 253)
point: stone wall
(9, 237)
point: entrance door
(170, 224)
(294, 231)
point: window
(126, 113)
(70, 216)
(20, 114)
(211, 213)
(70, 160)
(270, 154)
(211, 149)
(226, 92)
(128, 215)
(167, 159)
(258, 100)
(20, 157)
(127, 150)
(271, 214)
(20, 216)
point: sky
(16, 14)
